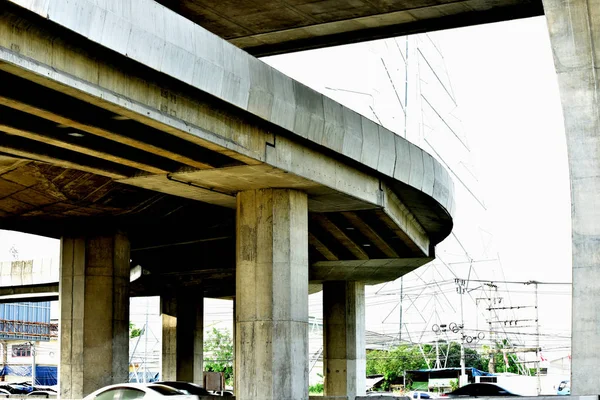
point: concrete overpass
(139, 137)
(274, 27)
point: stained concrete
(574, 26)
(344, 347)
(291, 25)
(94, 313)
(183, 336)
(185, 44)
(272, 295)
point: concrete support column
(94, 313)
(168, 309)
(235, 351)
(272, 295)
(344, 347)
(574, 29)
(183, 337)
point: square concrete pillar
(94, 313)
(272, 295)
(183, 337)
(344, 347)
(573, 27)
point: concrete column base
(183, 337)
(94, 313)
(344, 353)
(272, 295)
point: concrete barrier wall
(28, 272)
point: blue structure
(44, 375)
(25, 321)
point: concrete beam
(50, 289)
(367, 271)
(190, 54)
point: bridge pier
(94, 313)
(272, 295)
(574, 27)
(183, 337)
(344, 354)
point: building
(28, 338)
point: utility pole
(4, 356)
(461, 291)
(537, 336)
(438, 363)
(492, 300)
(33, 377)
(146, 345)
(400, 306)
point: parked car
(187, 387)
(132, 391)
(479, 390)
(379, 394)
(421, 395)
(564, 388)
(4, 393)
(43, 394)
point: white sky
(504, 78)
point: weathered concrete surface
(94, 313)
(190, 337)
(344, 347)
(574, 27)
(168, 308)
(272, 295)
(290, 25)
(183, 336)
(190, 54)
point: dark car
(479, 390)
(188, 387)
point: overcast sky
(503, 75)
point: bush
(316, 388)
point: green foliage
(134, 332)
(500, 362)
(218, 353)
(472, 358)
(317, 388)
(392, 364)
(453, 385)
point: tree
(392, 364)
(472, 358)
(218, 353)
(133, 331)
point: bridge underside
(274, 27)
(174, 153)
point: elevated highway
(138, 136)
(274, 27)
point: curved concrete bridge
(140, 138)
(120, 115)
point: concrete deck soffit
(149, 33)
(125, 117)
(291, 25)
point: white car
(422, 395)
(132, 391)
